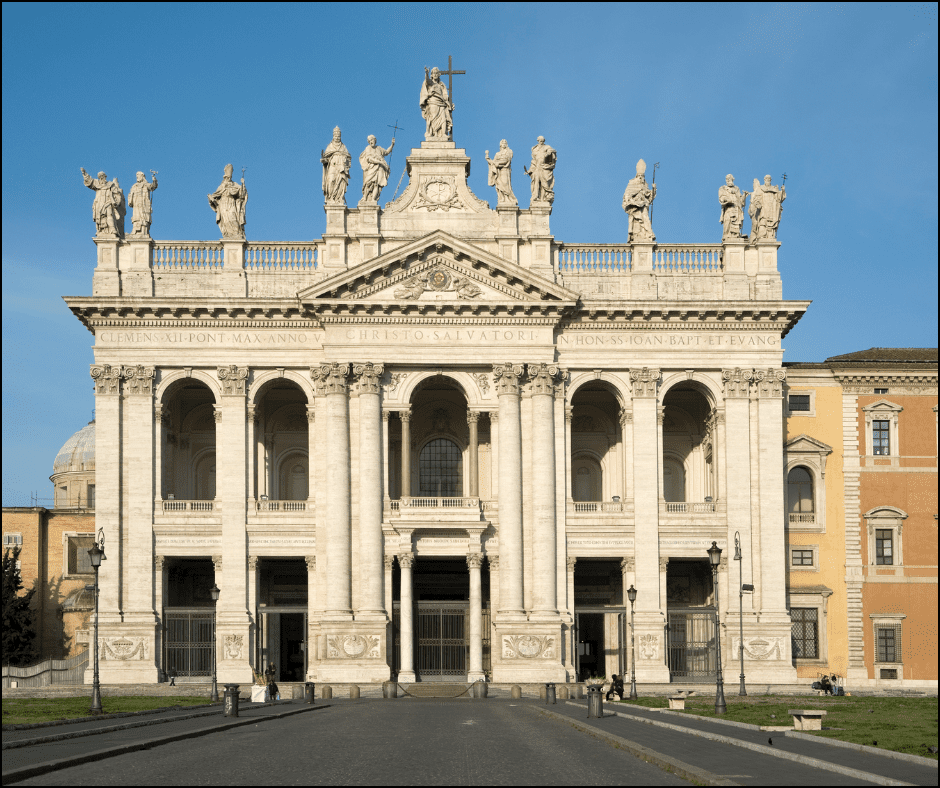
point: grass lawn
(17, 711)
(900, 724)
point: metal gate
(187, 642)
(442, 640)
(691, 645)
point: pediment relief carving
(804, 444)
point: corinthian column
(331, 380)
(474, 560)
(405, 416)
(544, 569)
(370, 490)
(472, 418)
(510, 488)
(407, 670)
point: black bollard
(310, 691)
(230, 707)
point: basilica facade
(438, 443)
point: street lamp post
(631, 595)
(714, 558)
(97, 556)
(742, 589)
(214, 593)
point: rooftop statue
(501, 174)
(436, 108)
(139, 200)
(732, 209)
(374, 169)
(335, 160)
(765, 209)
(228, 202)
(109, 208)
(637, 199)
(542, 172)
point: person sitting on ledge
(616, 686)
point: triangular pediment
(439, 270)
(806, 444)
(883, 405)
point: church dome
(78, 453)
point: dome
(78, 453)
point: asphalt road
(376, 743)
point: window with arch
(586, 484)
(294, 478)
(440, 469)
(800, 500)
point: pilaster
(735, 282)
(106, 281)
(643, 277)
(335, 239)
(368, 233)
(234, 281)
(136, 272)
(507, 234)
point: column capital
(506, 378)
(660, 415)
(139, 379)
(769, 382)
(571, 561)
(737, 382)
(626, 417)
(311, 414)
(645, 381)
(331, 378)
(569, 413)
(217, 563)
(494, 416)
(161, 413)
(158, 562)
(370, 376)
(107, 378)
(311, 563)
(389, 562)
(493, 562)
(542, 378)
(252, 563)
(473, 416)
(474, 560)
(663, 564)
(217, 413)
(233, 379)
(406, 560)
(251, 413)
(405, 416)
(628, 564)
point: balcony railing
(190, 506)
(669, 507)
(438, 503)
(281, 506)
(802, 518)
(582, 507)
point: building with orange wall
(861, 476)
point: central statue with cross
(436, 106)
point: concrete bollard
(354, 692)
(542, 692)
(390, 689)
(550, 694)
(516, 692)
(563, 692)
(579, 691)
(310, 691)
(327, 692)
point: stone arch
(261, 381)
(708, 388)
(199, 419)
(170, 380)
(616, 386)
(462, 381)
(594, 463)
(291, 417)
(291, 486)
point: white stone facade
(258, 402)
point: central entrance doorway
(443, 647)
(690, 622)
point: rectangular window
(889, 673)
(91, 496)
(884, 546)
(11, 540)
(805, 629)
(799, 402)
(79, 560)
(889, 644)
(881, 442)
(802, 557)
(881, 391)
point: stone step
(434, 689)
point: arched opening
(281, 443)
(800, 491)
(688, 458)
(188, 443)
(597, 456)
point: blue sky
(843, 98)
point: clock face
(437, 191)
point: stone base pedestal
(767, 657)
(126, 655)
(650, 648)
(527, 652)
(353, 651)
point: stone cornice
(912, 382)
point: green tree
(19, 630)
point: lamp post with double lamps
(714, 558)
(631, 595)
(214, 593)
(743, 588)
(97, 556)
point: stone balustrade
(189, 506)
(582, 507)
(282, 506)
(802, 518)
(688, 259)
(183, 256)
(610, 259)
(669, 507)
(281, 256)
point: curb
(25, 772)
(803, 759)
(671, 765)
(920, 760)
(25, 726)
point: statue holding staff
(139, 199)
(765, 215)
(335, 160)
(637, 199)
(732, 201)
(108, 208)
(228, 202)
(374, 169)
(542, 172)
(501, 174)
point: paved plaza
(441, 742)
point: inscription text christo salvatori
(644, 339)
(457, 335)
